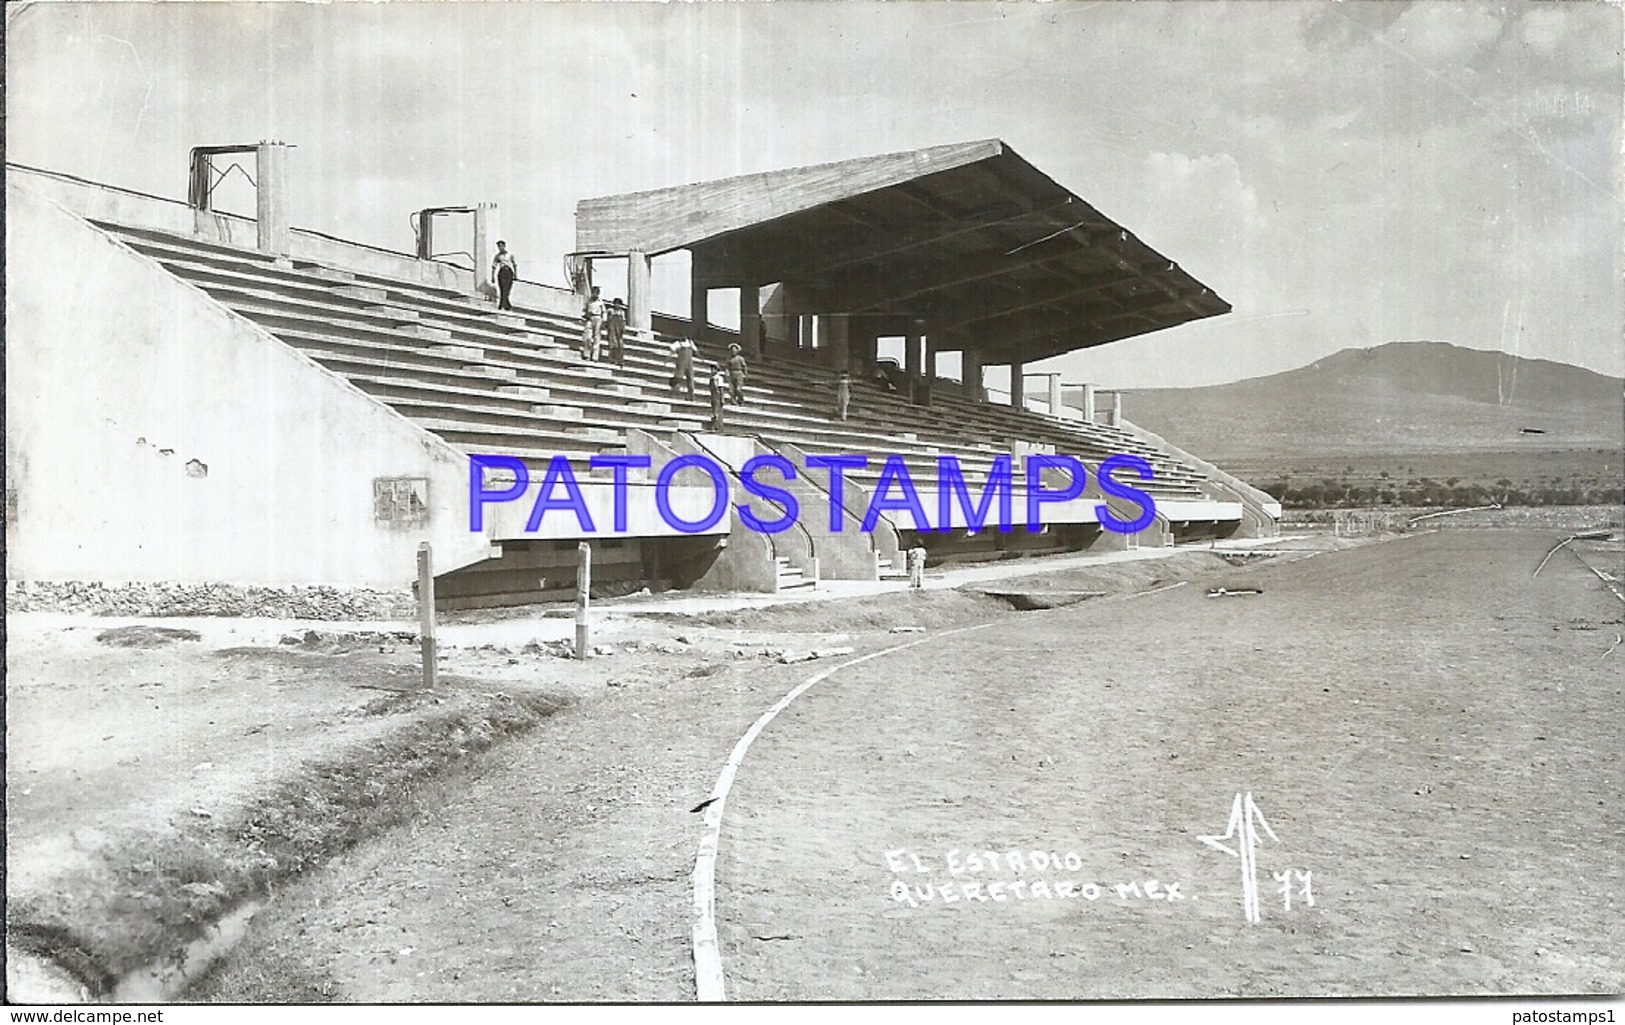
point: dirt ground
(1385, 729)
(1430, 733)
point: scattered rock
(908, 629)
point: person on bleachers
(883, 379)
(843, 394)
(719, 385)
(592, 333)
(505, 268)
(682, 373)
(736, 375)
(617, 332)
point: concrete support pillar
(970, 364)
(1055, 395)
(929, 370)
(911, 352)
(750, 320)
(271, 197)
(699, 302)
(1018, 389)
(640, 306)
(487, 229)
(838, 340)
(1089, 403)
(1115, 418)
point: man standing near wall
(916, 568)
(505, 268)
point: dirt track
(1391, 708)
(1429, 732)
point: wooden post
(426, 612)
(583, 598)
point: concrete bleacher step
(558, 412)
(472, 353)
(488, 370)
(365, 293)
(525, 391)
(398, 314)
(596, 434)
(322, 271)
(418, 329)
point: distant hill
(1404, 397)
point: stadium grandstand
(197, 398)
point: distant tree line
(1328, 493)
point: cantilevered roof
(970, 237)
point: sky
(1344, 174)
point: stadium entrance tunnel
(544, 570)
(991, 545)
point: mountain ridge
(1398, 397)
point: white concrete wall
(120, 377)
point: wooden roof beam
(891, 245)
(1073, 290)
(875, 292)
(1058, 327)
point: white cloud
(1450, 33)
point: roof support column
(911, 356)
(970, 364)
(750, 320)
(699, 306)
(1018, 393)
(640, 306)
(1055, 395)
(838, 339)
(929, 371)
(1089, 403)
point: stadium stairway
(513, 383)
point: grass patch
(145, 636)
(148, 894)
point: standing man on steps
(592, 332)
(505, 268)
(682, 374)
(736, 375)
(719, 395)
(617, 332)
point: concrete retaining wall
(153, 435)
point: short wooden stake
(583, 599)
(426, 612)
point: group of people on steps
(726, 380)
